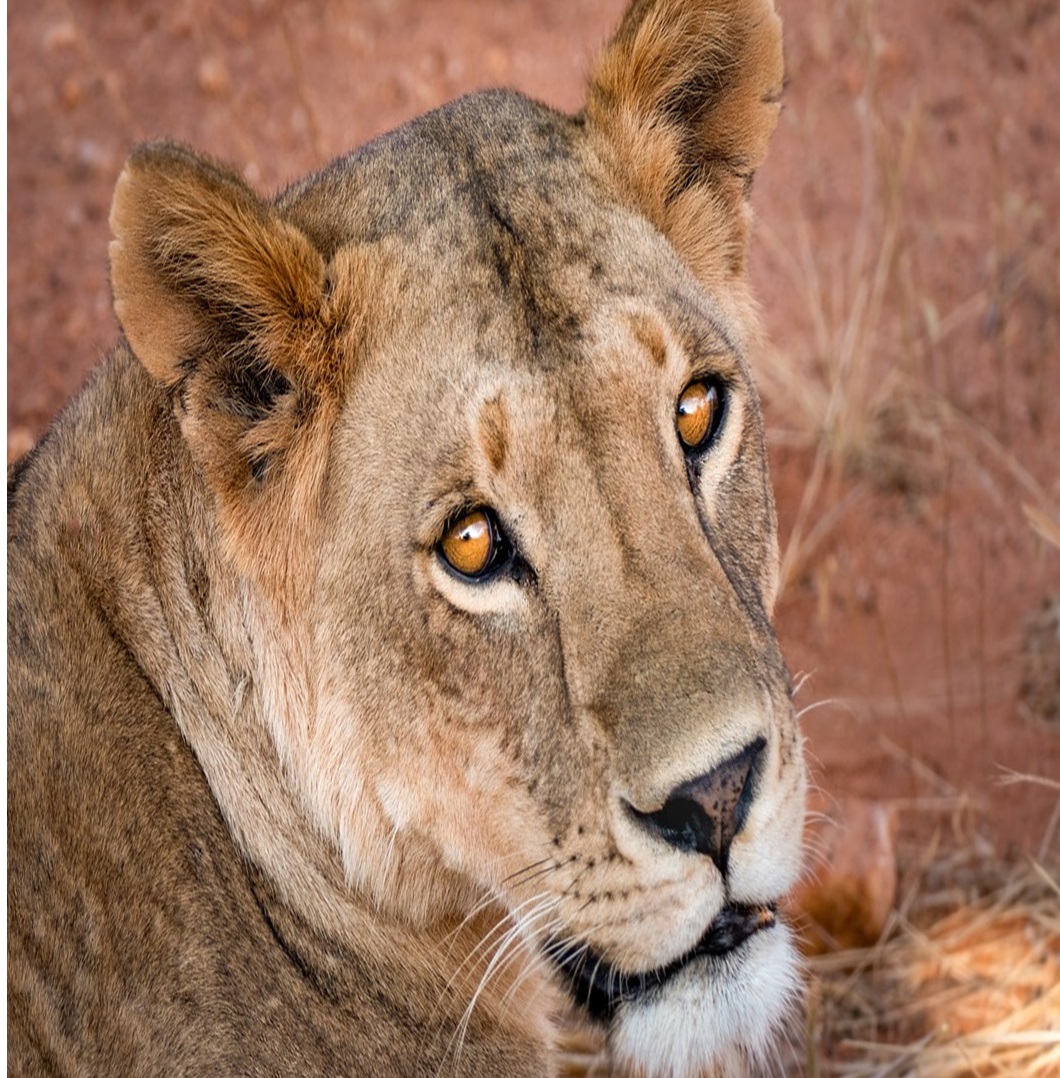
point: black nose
(706, 813)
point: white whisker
(517, 936)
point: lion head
(473, 411)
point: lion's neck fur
(239, 684)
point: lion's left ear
(681, 105)
(237, 312)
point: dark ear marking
(259, 467)
(249, 388)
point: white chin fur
(717, 1016)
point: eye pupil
(470, 544)
(698, 410)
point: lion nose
(706, 813)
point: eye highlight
(698, 414)
(473, 544)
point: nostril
(706, 813)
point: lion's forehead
(492, 160)
(503, 225)
(512, 250)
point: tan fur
(288, 796)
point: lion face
(500, 485)
(609, 676)
(603, 673)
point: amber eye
(698, 412)
(473, 544)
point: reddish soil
(915, 168)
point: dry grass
(866, 379)
(1046, 525)
(967, 982)
(844, 378)
(846, 390)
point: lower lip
(599, 988)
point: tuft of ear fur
(681, 105)
(199, 261)
(233, 309)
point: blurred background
(907, 259)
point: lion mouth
(599, 987)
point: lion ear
(682, 103)
(199, 261)
(236, 311)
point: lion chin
(720, 1014)
(717, 1009)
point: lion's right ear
(199, 261)
(234, 309)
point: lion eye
(473, 544)
(698, 413)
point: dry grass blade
(1044, 524)
(840, 389)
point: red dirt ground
(908, 215)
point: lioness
(389, 618)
